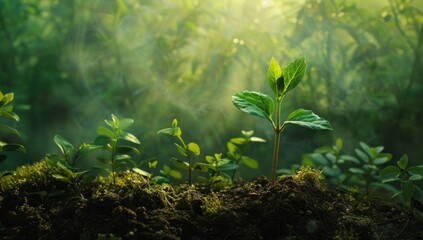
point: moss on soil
(33, 205)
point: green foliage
(6, 112)
(119, 142)
(281, 81)
(235, 151)
(361, 170)
(331, 161)
(186, 150)
(68, 159)
(407, 176)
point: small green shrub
(281, 81)
(407, 176)
(6, 112)
(235, 152)
(186, 150)
(118, 142)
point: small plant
(68, 159)
(281, 81)
(167, 173)
(330, 160)
(186, 150)
(407, 176)
(6, 111)
(367, 173)
(217, 168)
(235, 153)
(118, 141)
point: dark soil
(33, 205)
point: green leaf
(122, 157)
(228, 167)
(407, 188)
(362, 155)
(14, 148)
(416, 170)
(390, 173)
(175, 174)
(1, 96)
(257, 139)
(254, 103)
(10, 115)
(126, 149)
(102, 140)
(174, 131)
(239, 141)
(293, 73)
(125, 123)
(152, 164)
(273, 74)
(249, 162)
(181, 150)
(9, 130)
(179, 163)
(129, 137)
(349, 158)
(64, 146)
(402, 163)
(338, 145)
(356, 170)
(203, 167)
(105, 132)
(61, 178)
(141, 172)
(308, 119)
(210, 159)
(8, 97)
(233, 150)
(194, 148)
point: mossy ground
(34, 205)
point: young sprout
(281, 81)
(186, 150)
(118, 142)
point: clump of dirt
(298, 207)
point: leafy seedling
(186, 150)
(370, 158)
(330, 160)
(67, 161)
(118, 142)
(281, 81)
(6, 112)
(407, 176)
(167, 173)
(235, 153)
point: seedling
(186, 150)
(407, 176)
(68, 159)
(115, 139)
(281, 81)
(235, 153)
(167, 173)
(330, 160)
(6, 111)
(217, 168)
(370, 159)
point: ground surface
(33, 205)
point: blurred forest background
(73, 63)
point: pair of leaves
(281, 81)
(261, 105)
